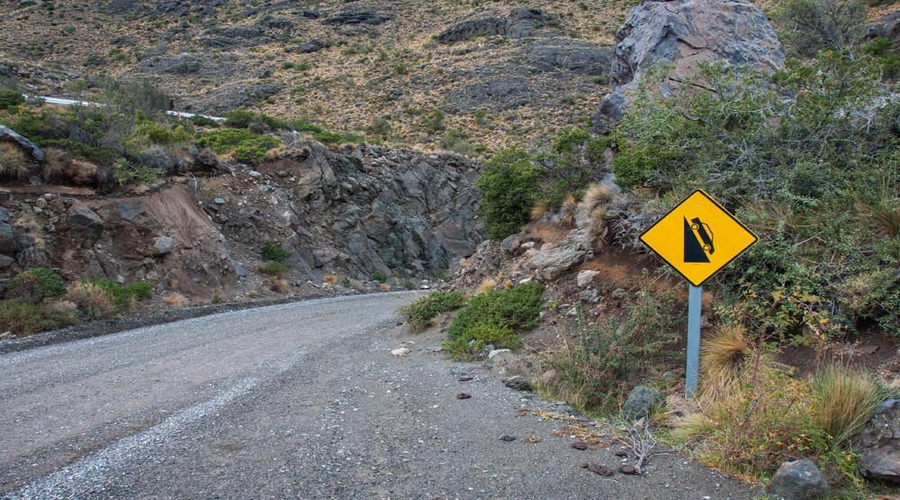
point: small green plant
(494, 317)
(10, 98)
(421, 313)
(124, 296)
(274, 268)
(245, 145)
(275, 252)
(37, 284)
(379, 277)
(434, 121)
(21, 317)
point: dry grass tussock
(330, 279)
(13, 161)
(55, 163)
(279, 285)
(176, 300)
(93, 302)
(723, 357)
(845, 400)
(81, 172)
(489, 284)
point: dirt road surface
(301, 400)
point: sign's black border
(716, 203)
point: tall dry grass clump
(55, 163)
(539, 210)
(844, 400)
(93, 301)
(722, 358)
(13, 161)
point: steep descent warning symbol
(695, 249)
(710, 237)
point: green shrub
(37, 284)
(596, 364)
(275, 252)
(495, 317)
(10, 98)
(421, 313)
(475, 339)
(21, 317)
(202, 121)
(507, 185)
(812, 25)
(245, 145)
(123, 296)
(379, 277)
(274, 268)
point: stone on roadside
(401, 351)
(880, 444)
(518, 383)
(798, 479)
(640, 400)
(585, 277)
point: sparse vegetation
(36, 284)
(494, 318)
(421, 313)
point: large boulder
(880, 444)
(685, 33)
(640, 401)
(557, 258)
(798, 480)
(9, 135)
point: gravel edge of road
(150, 318)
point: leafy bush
(813, 25)
(10, 98)
(21, 317)
(275, 252)
(507, 187)
(421, 313)
(245, 145)
(379, 277)
(274, 268)
(596, 363)
(37, 284)
(494, 317)
(123, 296)
(808, 160)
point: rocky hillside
(495, 73)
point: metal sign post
(695, 298)
(698, 238)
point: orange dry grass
(176, 300)
(723, 357)
(93, 302)
(486, 286)
(13, 161)
(330, 279)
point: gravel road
(301, 400)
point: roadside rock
(797, 480)
(7, 240)
(685, 33)
(585, 278)
(640, 400)
(557, 258)
(880, 444)
(164, 245)
(82, 217)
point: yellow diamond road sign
(698, 237)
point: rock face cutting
(352, 212)
(685, 33)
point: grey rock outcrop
(9, 135)
(685, 33)
(639, 402)
(7, 240)
(880, 444)
(520, 23)
(798, 480)
(555, 259)
(82, 217)
(570, 55)
(358, 16)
